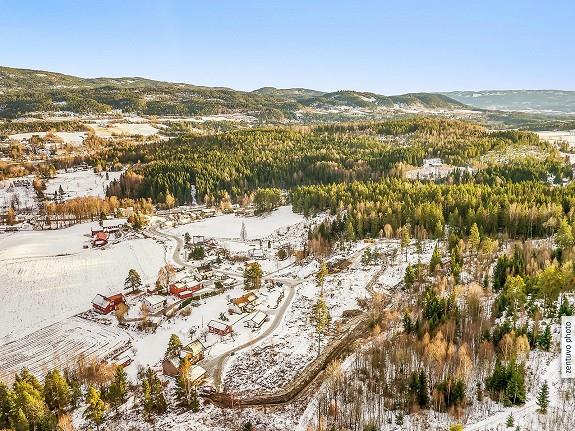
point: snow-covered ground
(229, 226)
(553, 136)
(80, 183)
(107, 130)
(48, 276)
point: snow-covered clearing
(553, 137)
(48, 276)
(80, 183)
(229, 226)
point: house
(243, 304)
(220, 328)
(100, 239)
(102, 304)
(257, 320)
(196, 375)
(198, 239)
(155, 303)
(171, 366)
(108, 225)
(256, 253)
(183, 291)
(193, 351)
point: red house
(100, 239)
(182, 290)
(220, 328)
(102, 304)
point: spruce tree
(174, 346)
(435, 260)
(118, 393)
(509, 422)
(56, 392)
(543, 398)
(545, 339)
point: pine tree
(320, 275)
(20, 422)
(405, 238)
(320, 318)
(96, 408)
(174, 346)
(543, 398)
(423, 393)
(564, 235)
(133, 281)
(509, 422)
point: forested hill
(23, 91)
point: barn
(220, 328)
(183, 291)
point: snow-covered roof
(259, 317)
(195, 347)
(101, 301)
(218, 325)
(248, 298)
(114, 222)
(196, 373)
(155, 299)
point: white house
(155, 303)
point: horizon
(391, 48)
(358, 90)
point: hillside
(24, 91)
(544, 101)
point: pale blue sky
(389, 47)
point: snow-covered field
(80, 183)
(58, 345)
(72, 138)
(229, 226)
(107, 130)
(47, 276)
(568, 136)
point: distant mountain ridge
(23, 91)
(553, 101)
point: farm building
(256, 253)
(243, 304)
(257, 320)
(182, 290)
(117, 299)
(100, 239)
(155, 303)
(220, 328)
(102, 304)
(193, 351)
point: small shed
(100, 239)
(220, 328)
